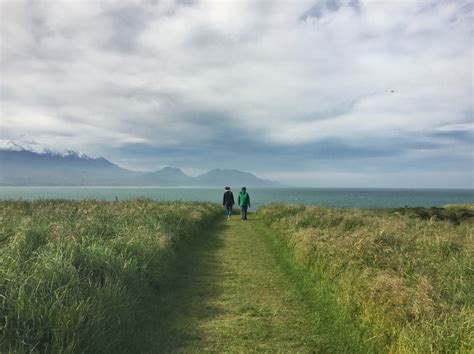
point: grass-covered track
(236, 290)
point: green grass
(141, 276)
(406, 273)
(74, 275)
(236, 290)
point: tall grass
(73, 274)
(407, 273)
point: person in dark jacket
(228, 201)
(244, 203)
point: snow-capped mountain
(28, 163)
(31, 163)
(41, 149)
(32, 146)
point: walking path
(231, 292)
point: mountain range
(32, 164)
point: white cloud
(467, 127)
(108, 73)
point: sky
(327, 93)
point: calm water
(350, 198)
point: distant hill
(31, 164)
(235, 178)
(168, 176)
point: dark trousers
(243, 212)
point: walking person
(228, 201)
(244, 203)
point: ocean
(338, 197)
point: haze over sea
(338, 197)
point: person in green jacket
(244, 203)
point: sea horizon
(236, 188)
(344, 197)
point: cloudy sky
(368, 93)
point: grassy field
(141, 276)
(405, 273)
(74, 275)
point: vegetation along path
(235, 290)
